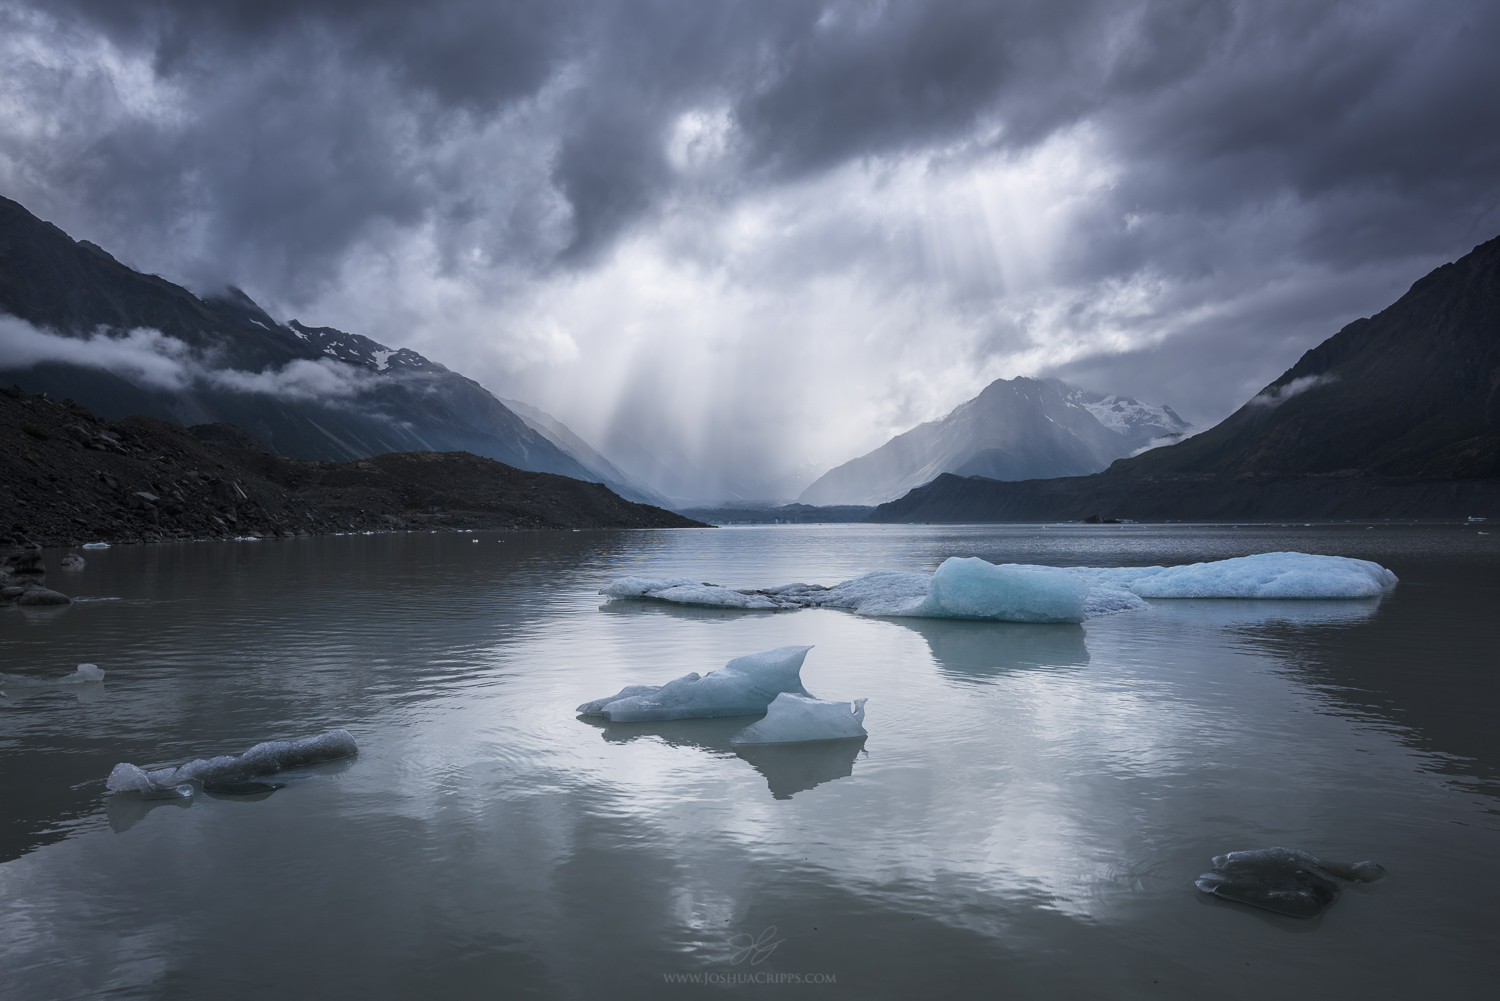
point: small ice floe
(971, 588)
(743, 687)
(82, 673)
(232, 774)
(1285, 880)
(72, 561)
(797, 718)
(96, 545)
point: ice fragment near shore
(743, 687)
(1285, 880)
(81, 674)
(1013, 592)
(263, 759)
(797, 718)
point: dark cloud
(1265, 170)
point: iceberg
(1265, 575)
(743, 687)
(797, 718)
(971, 588)
(227, 770)
(82, 673)
(1285, 880)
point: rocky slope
(1411, 391)
(67, 478)
(157, 349)
(1016, 429)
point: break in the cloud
(748, 240)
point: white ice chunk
(96, 545)
(84, 672)
(884, 592)
(714, 596)
(641, 587)
(794, 718)
(743, 687)
(974, 589)
(1265, 575)
(262, 759)
(1106, 600)
(1015, 592)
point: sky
(748, 241)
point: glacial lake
(1025, 819)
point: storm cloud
(749, 240)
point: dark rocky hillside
(67, 478)
(1411, 391)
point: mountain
(1395, 416)
(67, 478)
(602, 469)
(1017, 429)
(123, 342)
(1411, 391)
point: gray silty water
(1025, 819)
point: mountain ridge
(1014, 429)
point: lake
(1025, 819)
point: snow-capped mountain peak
(355, 349)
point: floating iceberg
(1266, 575)
(1285, 880)
(973, 589)
(796, 718)
(81, 674)
(226, 770)
(743, 687)
(1014, 592)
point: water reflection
(86, 691)
(692, 613)
(1263, 611)
(711, 734)
(125, 810)
(979, 650)
(794, 768)
(787, 768)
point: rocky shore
(67, 478)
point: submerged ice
(971, 588)
(1285, 880)
(799, 718)
(82, 673)
(743, 687)
(228, 772)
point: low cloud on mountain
(152, 360)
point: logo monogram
(754, 949)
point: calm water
(1025, 819)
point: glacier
(743, 687)
(971, 588)
(231, 771)
(799, 718)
